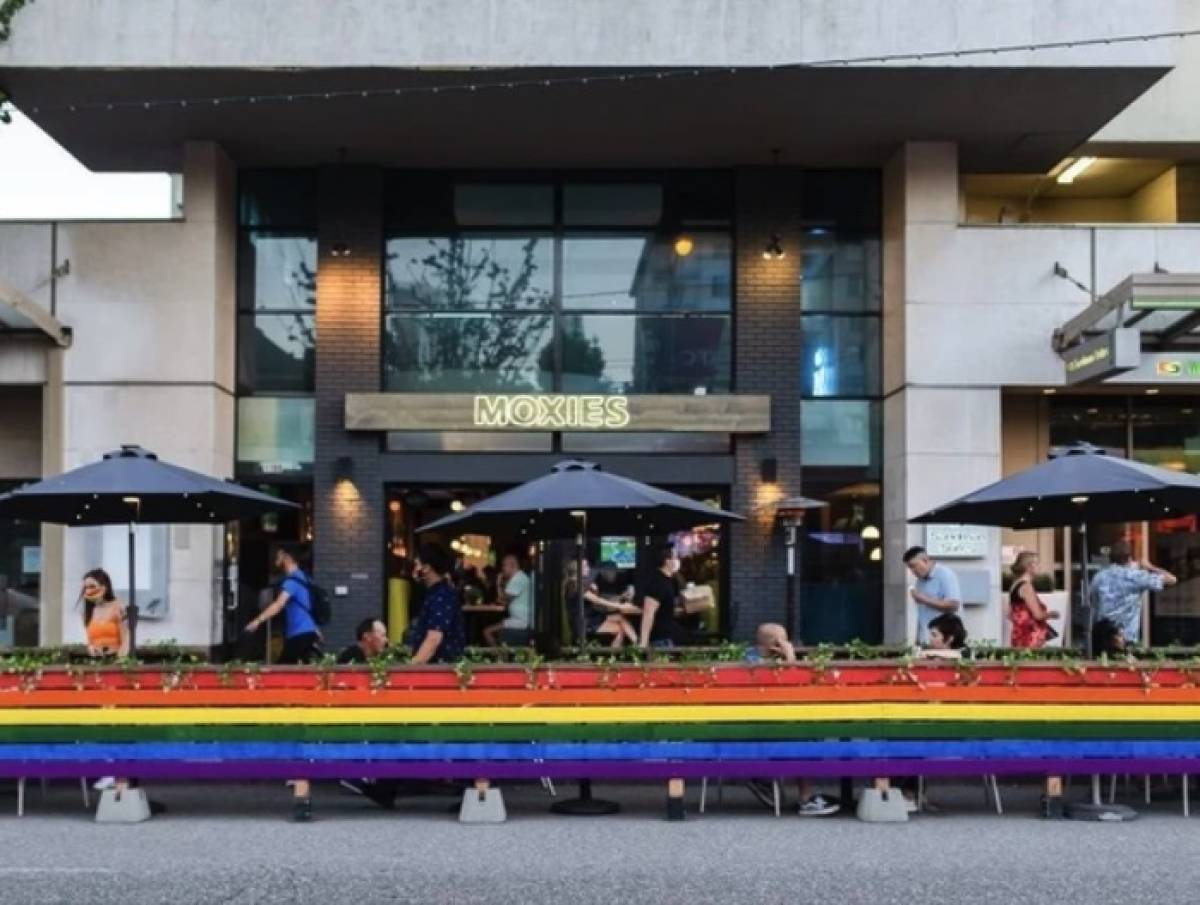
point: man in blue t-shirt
(301, 638)
(439, 635)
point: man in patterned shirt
(439, 635)
(1117, 590)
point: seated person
(1108, 639)
(771, 643)
(658, 595)
(947, 637)
(609, 602)
(517, 600)
(372, 641)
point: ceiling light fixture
(1075, 170)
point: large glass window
(277, 301)
(605, 353)
(461, 353)
(629, 291)
(275, 435)
(840, 408)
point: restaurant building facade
(408, 273)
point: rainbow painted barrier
(628, 722)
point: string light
(618, 78)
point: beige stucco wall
(152, 307)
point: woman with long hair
(103, 616)
(1030, 617)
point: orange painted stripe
(541, 697)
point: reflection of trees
(582, 358)
(495, 348)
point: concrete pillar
(768, 361)
(940, 441)
(166, 290)
(347, 486)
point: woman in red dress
(1029, 616)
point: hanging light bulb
(684, 246)
(774, 249)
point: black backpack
(319, 606)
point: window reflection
(454, 353)
(605, 353)
(275, 435)
(277, 271)
(482, 272)
(644, 272)
(841, 356)
(503, 204)
(842, 433)
(605, 204)
(840, 272)
(277, 353)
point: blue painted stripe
(615, 751)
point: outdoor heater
(789, 515)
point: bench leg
(1052, 798)
(703, 793)
(675, 790)
(21, 797)
(1187, 804)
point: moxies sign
(556, 412)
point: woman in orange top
(103, 616)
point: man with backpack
(304, 607)
(297, 600)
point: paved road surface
(233, 845)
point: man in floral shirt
(439, 634)
(1117, 590)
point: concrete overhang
(1020, 119)
(21, 316)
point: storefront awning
(20, 315)
(1146, 329)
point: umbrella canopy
(131, 485)
(1083, 485)
(550, 507)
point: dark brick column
(768, 361)
(348, 512)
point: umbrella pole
(585, 805)
(131, 611)
(1085, 597)
(580, 619)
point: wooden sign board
(556, 412)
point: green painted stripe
(599, 732)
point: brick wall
(348, 514)
(767, 332)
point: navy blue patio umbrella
(577, 499)
(1079, 486)
(130, 486)
(574, 499)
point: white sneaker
(910, 805)
(817, 806)
(104, 782)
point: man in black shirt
(658, 595)
(372, 641)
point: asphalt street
(234, 845)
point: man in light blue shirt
(935, 592)
(1117, 589)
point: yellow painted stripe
(1152, 713)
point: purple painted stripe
(610, 770)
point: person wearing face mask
(439, 634)
(103, 616)
(658, 595)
